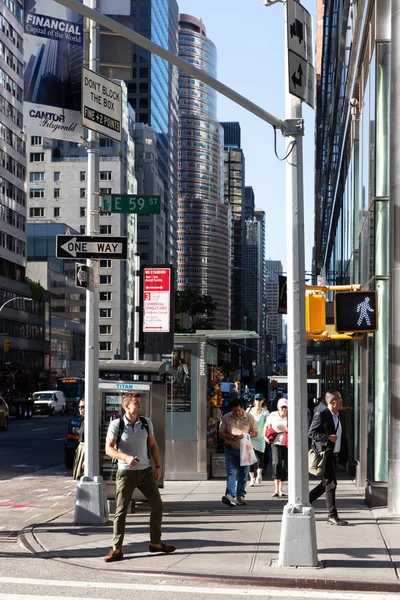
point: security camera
(354, 102)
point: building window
(57, 193)
(36, 157)
(105, 229)
(105, 313)
(105, 175)
(82, 193)
(36, 211)
(57, 176)
(106, 264)
(38, 176)
(105, 191)
(105, 346)
(57, 211)
(105, 329)
(105, 279)
(36, 193)
(105, 296)
(82, 176)
(36, 140)
(82, 229)
(82, 212)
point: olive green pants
(126, 482)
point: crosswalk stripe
(214, 591)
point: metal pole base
(91, 504)
(298, 545)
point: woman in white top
(260, 414)
(277, 420)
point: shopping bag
(247, 454)
(270, 434)
(316, 462)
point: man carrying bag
(234, 426)
(326, 435)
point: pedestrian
(137, 443)
(277, 421)
(260, 414)
(326, 435)
(79, 457)
(233, 426)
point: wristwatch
(157, 467)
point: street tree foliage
(200, 309)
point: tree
(200, 309)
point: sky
(250, 59)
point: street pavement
(233, 545)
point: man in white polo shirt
(136, 444)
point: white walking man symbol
(364, 308)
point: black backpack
(121, 426)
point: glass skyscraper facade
(203, 217)
(352, 224)
(153, 93)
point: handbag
(270, 434)
(316, 462)
(247, 454)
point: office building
(57, 191)
(234, 179)
(203, 216)
(353, 229)
(273, 268)
(153, 93)
(26, 344)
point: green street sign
(130, 203)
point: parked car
(72, 441)
(4, 414)
(49, 402)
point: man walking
(326, 434)
(137, 443)
(232, 429)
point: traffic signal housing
(315, 313)
(356, 311)
(7, 345)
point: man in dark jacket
(326, 434)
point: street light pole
(298, 544)
(90, 505)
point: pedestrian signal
(356, 311)
(315, 313)
(7, 345)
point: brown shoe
(114, 555)
(164, 548)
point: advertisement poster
(179, 394)
(53, 57)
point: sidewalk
(235, 545)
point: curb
(28, 541)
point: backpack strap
(120, 430)
(145, 424)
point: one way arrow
(298, 80)
(72, 247)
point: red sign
(156, 299)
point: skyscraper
(153, 93)
(23, 322)
(203, 217)
(234, 174)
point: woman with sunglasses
(260, 414)
(277, 421)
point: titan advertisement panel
(53, 56)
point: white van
(49, 402)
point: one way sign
(93, 246)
